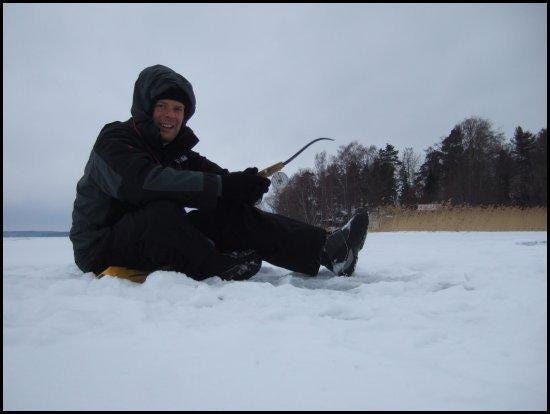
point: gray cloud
(267, 79)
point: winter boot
(342, 247)
(240, 265)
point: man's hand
(251, 170)
(244, 186)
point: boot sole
(363, 216)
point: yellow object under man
(134, 275)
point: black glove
(244, 187)
(251, 170)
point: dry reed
(459, 218)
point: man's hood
(153, 81)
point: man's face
(168, 117)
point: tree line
(474, 165)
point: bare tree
(350, 162)
(410, 162)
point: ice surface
(428, 321)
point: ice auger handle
(267, 172)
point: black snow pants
(162, 234)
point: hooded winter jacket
(129, 167)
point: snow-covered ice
(429, 321)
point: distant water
(35, 233)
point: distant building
(428, 207)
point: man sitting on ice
(141, 173)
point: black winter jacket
(129, 167)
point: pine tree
(540, 168)
(428, 181)
(453, 171)
(389, 161)
(522, 182)
(504, 171)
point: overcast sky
(268, 78)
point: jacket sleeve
(130, 174)
(199, 163)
